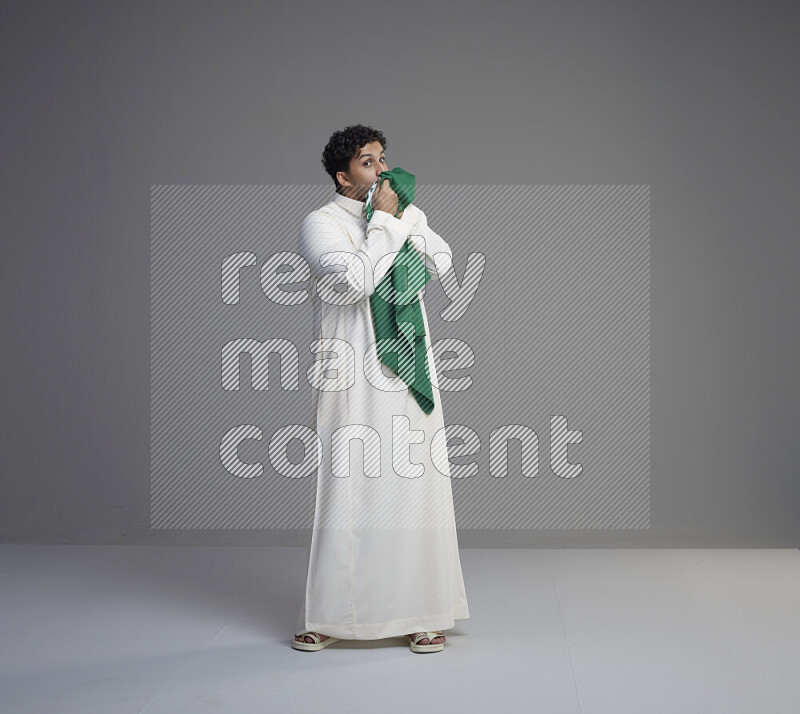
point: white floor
(117, 629)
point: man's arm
(321, 235)
(432, 247)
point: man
(384, 558)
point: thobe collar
(357, 208)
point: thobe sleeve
(321, 235)
(432, 247)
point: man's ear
(341, 176)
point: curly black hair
(344, 146)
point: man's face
(365, 168)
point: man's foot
(424, 641)
(308, 638)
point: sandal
(317, 644)
(414, 646)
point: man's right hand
(384, 198)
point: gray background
(552, 322)
(698, 101)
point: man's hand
(385, 199)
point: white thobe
(384, 557)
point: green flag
(396, 312)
